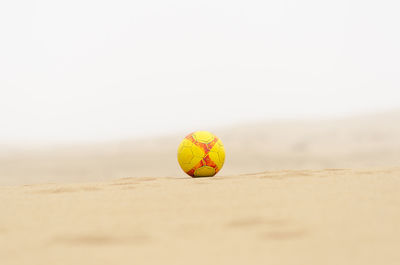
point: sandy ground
(127, 202)
(332, 216)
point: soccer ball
(201, 154)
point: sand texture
(331, 216)
(329, 194)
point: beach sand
(331, 216)
(328, 194)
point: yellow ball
(201, 154)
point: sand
(331, 216)
(328, 194)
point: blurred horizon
(34, 135)
(363, 141)
(367, 120)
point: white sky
(95, 70)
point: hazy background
(98, 90)
(100, 70)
